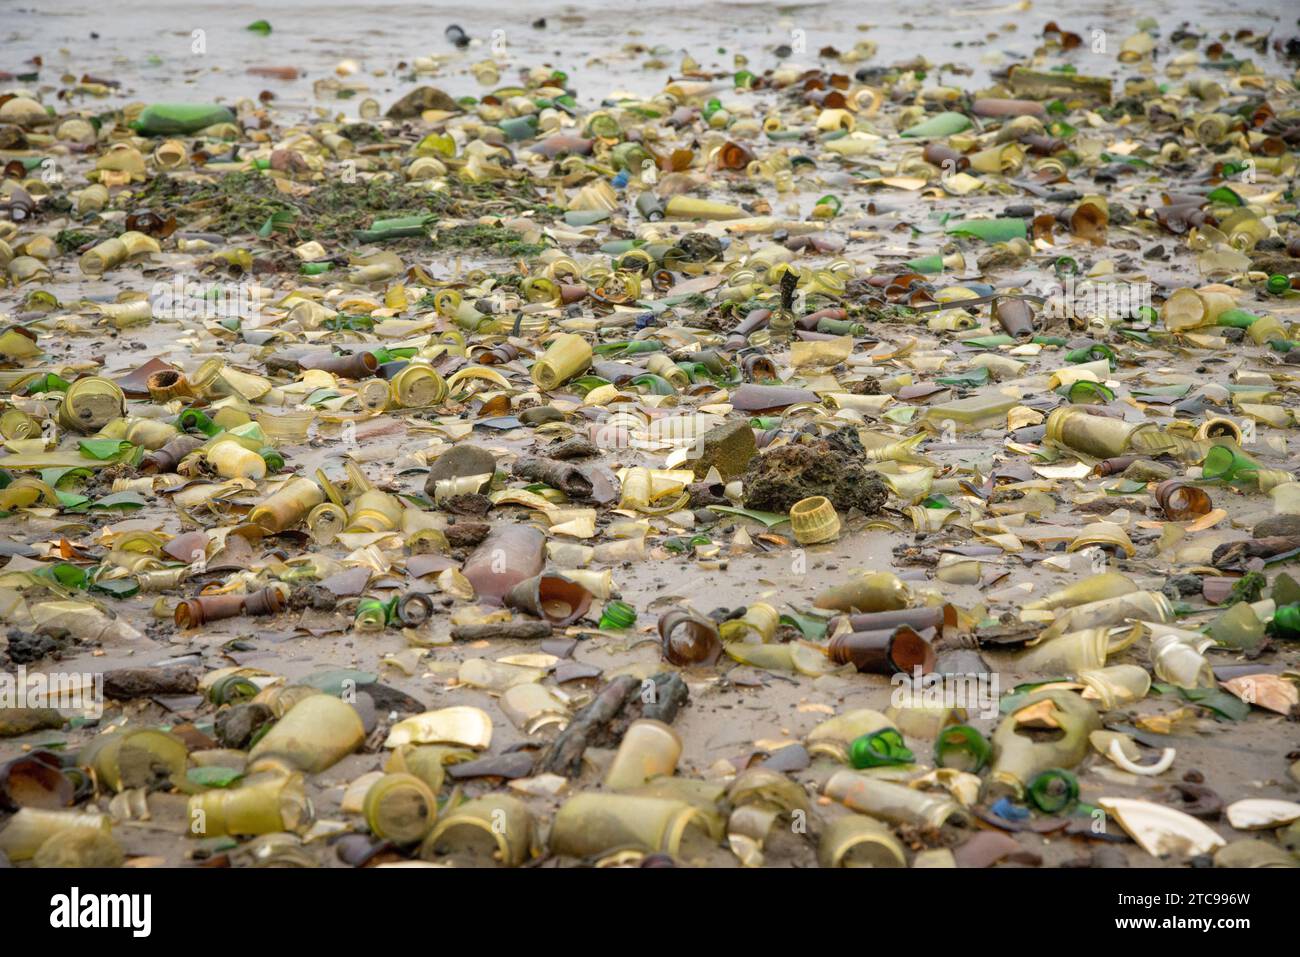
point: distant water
(149, 45)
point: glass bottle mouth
(617, 614)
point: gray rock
(459, 461)
(1277, 526)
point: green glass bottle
(1053, 790)
(1091, 353)
(192, 420)
(1286, 622)
(273, 459)
(372, 615)
(963, 748)
(1237, 318)
(1223, 463)
(617, 615)
(879, 749)
(926, 264)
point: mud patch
(25, 648)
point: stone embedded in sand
(540, 415)
(730, 447)
(16, 721)
(1277, 525)
(467, 534)
(125, 684)
(420, 99)
(475, 506)
(458, 462)
(782, 476)
(288, 161)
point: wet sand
(734, 712)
